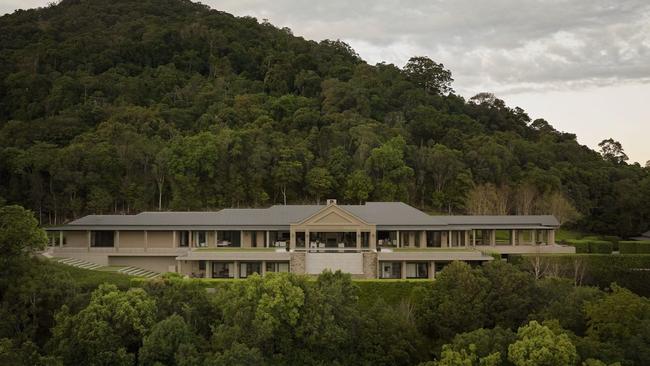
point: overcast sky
(583, 65)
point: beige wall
(76, 239)
(131, 239)
(188, 267)
(158, 239)
(246, 243)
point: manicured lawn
(433, 250)
(564, 234)
(89, 279)
(234, 249)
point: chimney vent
(331, 201)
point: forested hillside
(122, 106)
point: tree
(287, 171)
(358, 187)
(612, 150)
(537, 345)
(456, 304)
(162, 344)
(20, 236)
(107, 331)
(558, 205)
(465, 357)
(319, 182)
(387, 166)
(621, 319)
(484, 342)
(510, 293)
(261, 313)
(429, 75)
(647, 164)
(237, 355)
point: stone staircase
(79, 263)
(139, 272)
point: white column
(174, 243)
(358, 239)
(403, 270)
(432, 270)
(146, 240)
(236, 271)
(268, 238)
(263, 267)
(88, 234)
(398, 239)
(307, 240)
(61, 239)
(513, 237)
(241, 238)
(493, 237)
(473, 237)
(533, 235)
(449, 240)
(208, 269)
(215, 239)
(117, 240)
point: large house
(374, 240)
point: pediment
(333, 215)
(332, 218)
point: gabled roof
(383, 214)
(544, 220)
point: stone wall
(297, 263)
(370, 264)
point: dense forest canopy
(128, 105)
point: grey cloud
(498, 45)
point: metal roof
(382, 214)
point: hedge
(582, 246)
(600, 247)
(591, 246)
(634, 247)
(629, 271)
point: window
(386, 238)
(365, 239)
(228, 239)
(434, 239)
(223, 269)
(200, 239)
(183, 238)
(248, 268)
(391, 270)
(102, 239)
(417, 270)
(277, 266)
(201, 265)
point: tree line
(490, 314)
(150, 105)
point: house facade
(374, 240)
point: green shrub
(600, 247)
(627, 247)
(582, 246)
(634, 247)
